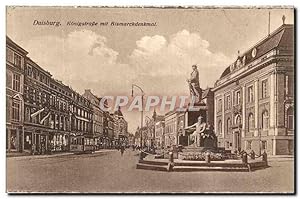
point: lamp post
(142, 92)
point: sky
(108, 60)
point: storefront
(36, 140)
(89, 144)
(14, 139)
(59, 142)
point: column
(215, 114)
(223, 116)
(272, 101)
(243, 110)
(256, 116)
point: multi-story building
(81, 138)
(171, 133)
(58, 115)
(159, 133)
(254, 97)
(37, 108)
(97, 118)
(43, 114)
(15, 59)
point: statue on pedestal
(194, 85)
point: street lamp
(132, 87)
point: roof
(206, 92)
(281, 37)
(19, 48)
(38, 66)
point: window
(219, 105)
(250, 122)
(228, 125)
(265, 120)
(34, 73)
(238, 119)
(15, 111)
(250, 94)
(264, 145)
(29, 70)
(220, 127)
(16, 82)
(248, 145)
(264, 88)
(289, 85)
(56, 122)
(290, 118)
(9, 55)
(61, 123)
(227, 144)
(18, 60)
(228, 102)
(237, 97)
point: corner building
(254, 97)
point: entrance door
(236, 141)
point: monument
(199, 130)
(194, 86)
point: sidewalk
(21, 156)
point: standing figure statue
(200, 128)
(194, 85)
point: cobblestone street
(111, 172)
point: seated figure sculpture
(200, 128)
(203, 134)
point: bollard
(265, 157)
(171, 157)
(171, 162)
(141, 155)
(207, 158)
(245, 158)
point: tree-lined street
(108, 171)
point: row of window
(264, 122)
(36, 74)
(170, 128)
(237, 96)
(13, 81)
(14, 58)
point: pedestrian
(122, 150)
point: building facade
(171, 133)
(254, 97)
(82, 138)
(160, 134)
(15, 61)
(97, 118)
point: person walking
(122, 150)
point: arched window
(250, 122)
(265, 120)
(238, 119)
(290, 118)
(228, 125)
(220, 127)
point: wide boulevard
(108, 171)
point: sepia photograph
(150, 100)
